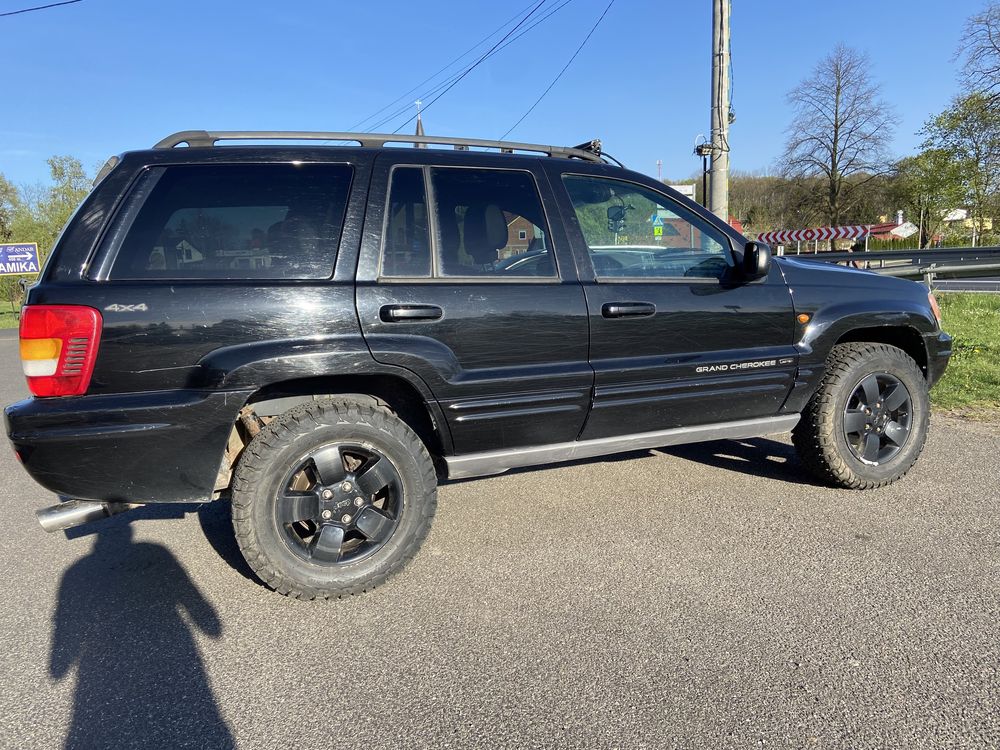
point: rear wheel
(867, 423)
(332, 498)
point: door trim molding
(499, 461)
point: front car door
(465, 281)
(678, 337)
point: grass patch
(972, 381)
(9, 319)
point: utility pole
(719, 200)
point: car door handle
(397, 313)
(627, 309)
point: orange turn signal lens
(803, 318)
(935, 308)
(32, 349)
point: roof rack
(590, 151)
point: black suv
(323, 332)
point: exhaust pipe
(70, 513)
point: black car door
(464, 280)
(678, 336)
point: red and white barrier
(787, 236)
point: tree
(927, 186)
(9, 204)
(840, 132)
(38, 213)
(979, 51)
(968, 133)
(765, 202)
(70, 185)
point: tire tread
(813, 435)
(254, 462)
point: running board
(496, 462)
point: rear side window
(490, 223)
(261, 221)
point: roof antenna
(420, 125)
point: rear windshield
(263, 221)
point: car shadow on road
(759, 457)
(125, 619)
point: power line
(476, 64)
(428, 94)
(568, 63)
(429, 78)
(38, 7)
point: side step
(497, 462)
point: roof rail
(590, 151)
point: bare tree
(979, 51)
(840, 132)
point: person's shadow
(123, 619)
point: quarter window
(634, 232)
(263, 221)
(407, 247)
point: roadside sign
(658, 230)
(657, 220)
(19, 259)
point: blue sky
(104, 76)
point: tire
(311, 530)
(845, 440)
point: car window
(634, 232)
(266, 221)
(406, 246)
(490, 223)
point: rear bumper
(145, 447)
(938, 345)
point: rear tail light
(59, 347)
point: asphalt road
(705, 596)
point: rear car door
(678, 336)
(465, 280)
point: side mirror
(756, 260)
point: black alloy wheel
(878, 418)
(333, 497)
(339, 504)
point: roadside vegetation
(971, 385)
(37, 213)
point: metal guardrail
(928, 264)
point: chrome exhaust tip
(70, 513)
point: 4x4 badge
(141, 307)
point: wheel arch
(392, 390)
(421, 413)
(903, 337)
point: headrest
(485, 232)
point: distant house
(891, 230)
(520, 233)
(960, 218)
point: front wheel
(332, 498)
(867, 423)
